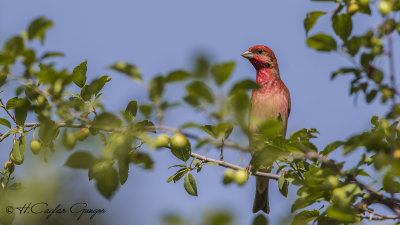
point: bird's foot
(248, 168)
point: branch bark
(233, 166)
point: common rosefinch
(270, 101)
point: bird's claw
(247, 168)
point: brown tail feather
(261, 201)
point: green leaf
(377, 76)
(270, 128)
(190, 184)
(15, 186)
(38, 28)
(94, 88)
(20, 105)
(123, 170)
(14, 46)
(156, 88)
(243, 85)
(97, 85)
(131, 109)
(283, 185)
(127, 69)
(107, 182)
(178, 175)
(322, 42)
(142, 159)
(18, 151)
(107, 120)
(260, 220)
(79, 74)
(304, 217)
(48, 131)
(146, 110)
(218, 131)
(221, 72)
(301, 203)
(353, 45)
(347, 215)
(342, 25)
(201, 90)
(80, 160)
(177, 76)
(52, 54)
(311, 19)
(331, 147)
(172, 219)
(3, 77)
(344, 71)
(371, 95)
(5, 122)
(191, 100)
(12, 103)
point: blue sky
(160, 36)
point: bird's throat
(266, 75)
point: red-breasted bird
(271, 100)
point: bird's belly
(266, 105)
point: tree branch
(233, 166)
(8, 112)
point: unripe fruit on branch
(384, 7)
(162, 140)
(353, 8)
(364, 2)
(35, 147)
(331, 182)
(82, 134)
(9, 165)
(70, 141)
(228, 176)
(241, 177)
(396, 154)
(179, 141)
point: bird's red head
(261, 57)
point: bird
(270, 100)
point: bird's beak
(247, 54)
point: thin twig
(394, 88)
(379, 216)
(222, 150)
(8, 112)
(233, 166)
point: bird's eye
(260, 51)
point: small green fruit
(9, 165)
(35, 147)
(179, 141)
(331, 182)
(228, 176)
(69, 141)
(364, 2)
(241, 177)
(161, 141)
(353, 8)
(384, 7)
(82, 134)
(396, 154)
